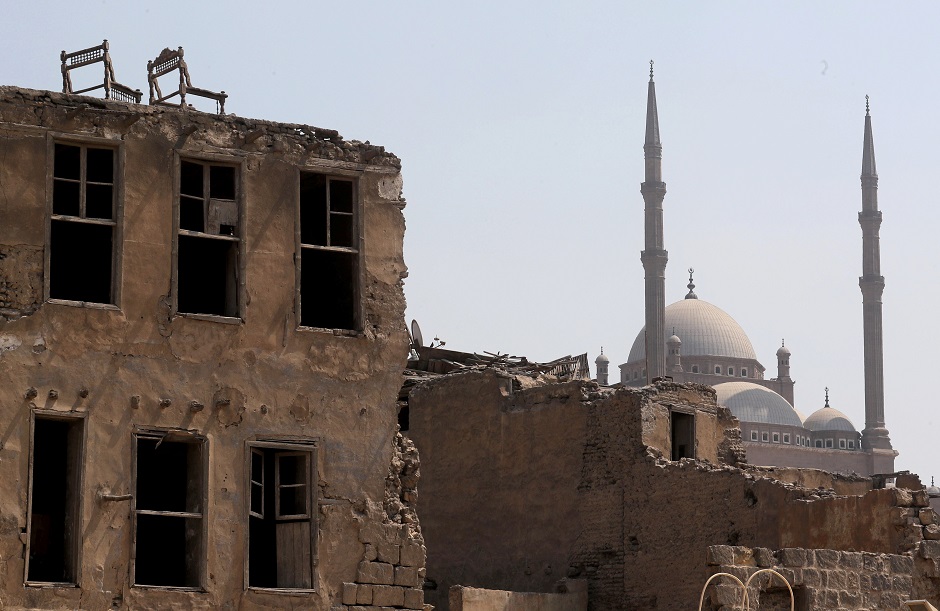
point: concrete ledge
(477, 599)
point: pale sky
(520, 129)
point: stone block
(414, 599)
(927, 516)
(406, 576)
(902, 564)
(903, 584)
(903, 497)
(930, 549)
(371, 533)
(725, 594)
(376, 573)
(388, 596)
(349, 593)
(792, 556)
(743, 556)
(371, 553)
(932, 532)
(719, 555)
(812, 578)
(851, 560)
(921, 499)
(827, 559)
(873, 563)
(388, 552)
(850, 600)
(364, 595)
(412, 554)
(764, 557)
(892, 600)
(836, 580)
(852, 582)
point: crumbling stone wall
(576, 469)
(136, 364)
(820, 578)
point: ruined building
(201, 343)
(694, 341)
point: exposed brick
(930, 549)
(388, 551)
(932, 532)
(792, 556)
(349, 593)
(406, 576)
(412, 554)
(836, 580)
(903, 497)
(364, 595)
(920, 498)
(902, 564)
(812, 578)
(764, 557)
(388, 596)
(414, 599)
(719, 555)
(827, 559)
(851, 560)
(376, 572)
(927, 516)
(850, 600)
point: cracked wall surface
(137, 364)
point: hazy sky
(520, 129)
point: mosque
(694, 341)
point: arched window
(730, 371)
(718, 370)
(744, 372)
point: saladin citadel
(693, 340)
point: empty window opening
(851, 444)
(829, 443)
(169, 505)
(694, 368)
(281, 518)
(329, 258)
(682, 427)
(209, 239)
(55, 501)
(404, 418)
(819, 443)
(81, 239)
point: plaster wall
(255, 377)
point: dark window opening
(208, 276)
(80, 261)
(169, 512)
(207, 264)
(682, 427)
(54, 529)
(281, 513)
(404, 418)
(327, 280)
(329, 252)
(82, 236)
(819, 443)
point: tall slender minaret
(875, 436)
(654, 256)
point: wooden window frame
(117, 243)
(358, 250)
(206, 159)
(176, 435)
(72, 417)
(307, 445)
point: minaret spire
(654, 256)
(875, 435)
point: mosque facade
(693, 340)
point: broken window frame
(174, 435)
(74, 418)
(117, 223)
(208, 160)
(356, 251)
(287, 445)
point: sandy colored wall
(477, 599)
(259, 377)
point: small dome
(932, 490)
(783, 351)
(674, 339)
(602, 358)
(751, 402)
(829, 419)
(707, 330)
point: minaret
(872, 283)
(783, 362)
(601, 363)
(654, 256)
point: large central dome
(705, 330)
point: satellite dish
(416, 338)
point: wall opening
(281, 517)
(208, 276)
(169, 501)
(55, 484)
(682, 427)
(80, 262)
(329, 245)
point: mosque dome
(705, 329)
(829, 419)
(751, 402)
(783, 351)
(602, 358)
